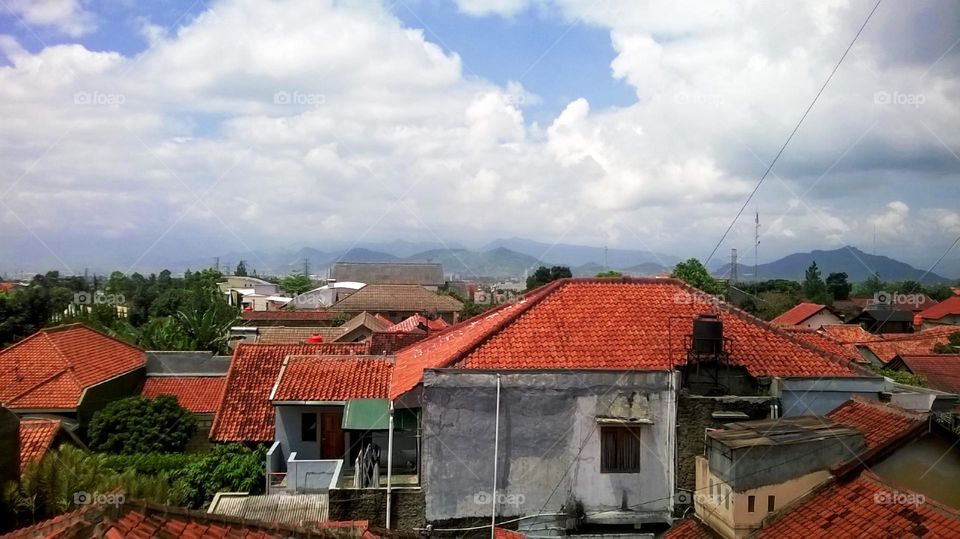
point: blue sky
(556, 59)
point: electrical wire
(792, 133)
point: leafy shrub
(150, 463)
(228, 468)
(139, 425)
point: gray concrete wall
(406, 509)
(818, 396)
(694, 416)
(549, 450)
(172, 363)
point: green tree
(610, 274)
(544, 275)
(140, 425)
(694, 273)
(870, 287)
(950, 347)
(813, 286)
(909, 287)
(296, 283)
(838, 287)
(241, 270)
(339, 319)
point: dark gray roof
(425, 274)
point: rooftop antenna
(756, 253)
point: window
(619, 450)
(308, 427)
(751, 503)
(771, 503)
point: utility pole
(733, 266)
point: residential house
(882, 351)
(599, 387)
(398, 302)
(328, 410)
(196, 379)
(69, 371)
(251, 293)
(428, 275)
(360, 327)
(807, 315)
(941, 371)
(326, 295)
(420, 323)
(945, 313)
(244, 413)
(883, 319)
(868, 469)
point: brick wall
(407, 511)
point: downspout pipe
(389, 462)
(496, 449)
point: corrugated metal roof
(296, 510)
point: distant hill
(498, 263)
(649, 269)
(580, 255)
(858, 265)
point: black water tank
(707, 334)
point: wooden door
(331, 435)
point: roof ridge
(41, 383)
(888, 406)
(539, 294)
(747, 317)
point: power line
(792, 133)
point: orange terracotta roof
(947, 307)
(332, 378)
(503, 533)
(245, 413)
(942, 371)
(849, 333)
(414, 322)
(880, 423)
(826, 342)
(36, 437)
(690, 528)
(199, 394)
(608, 324)
(864, 507)
(50, 369)
(910, 344)
(798, 314)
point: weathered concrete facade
(549, 453)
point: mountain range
(858, 265)
(515, 257)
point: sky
(133, 132)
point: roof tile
(880, 423)
(199, 394)
(798, 314)
(245, 413)
(612, 325)
(921, 343)
(333, 378)
(856, 508)
(51, 368)
(36, 436)
(942, 371)
(947, 307)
